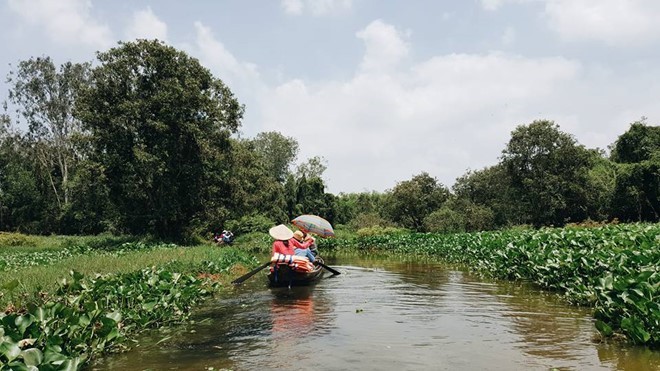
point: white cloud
(224, 64)
(616, 22)
(491, 4)
(612, 22)
(509, 36)
(294, 7)
(385, 47)
(241, 77)
(146, 25)
(65, 21)
(395, 116)
(316, 7)
(443, 115)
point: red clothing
(299, 245)
(282, 248)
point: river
(380, 314)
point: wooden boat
(282, 275)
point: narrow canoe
(285, 276)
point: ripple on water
(388, 316)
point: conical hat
(281, 232)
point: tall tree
(253, 189)
(313, 168)
(640, 143)
(637, 189)
(277, 153)
(368, 206)
(311, 199)
(160, 123)
(491, 187)
(23, 206)
(548, 168)
(413, 200)
(44, 98)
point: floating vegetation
(93, 314)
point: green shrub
(366, 220)
(249, 223)
(379, 231)
(444, 220)
(17, 239)
(255, 242)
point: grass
(16, 242)
(32, 280)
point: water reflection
(293, 312)
(629, 358)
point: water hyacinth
(88, 316)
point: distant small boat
(283, 275)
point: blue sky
(384, 90)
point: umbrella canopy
(314, 224)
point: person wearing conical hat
(282, 234)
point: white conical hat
(281, 232)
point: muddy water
(384, 315)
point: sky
(384, 90)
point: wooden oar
(333, 271)
(244, 277)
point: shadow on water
(385, 314)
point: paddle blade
(244, 277)
(331, 270)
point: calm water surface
(384, 315)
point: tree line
(145, 143)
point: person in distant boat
(302, 246)
(282, 244)
(227, 237)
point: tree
(4, 125)
(475, 217)
(90, 212)
(637, 192)
(413, 200)
(160, 124)
(253, 189)
(637, 187)
(349, 206)
(23, 206)
(444, 220)
(44, 98)
(600, 187)
(548, 169)
(277, 153)
(311, 198)
(640, 143)
(491, 187)
(313, 168)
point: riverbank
(67, 300)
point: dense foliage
(157, 120)
(144, 144)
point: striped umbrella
(314, 224)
